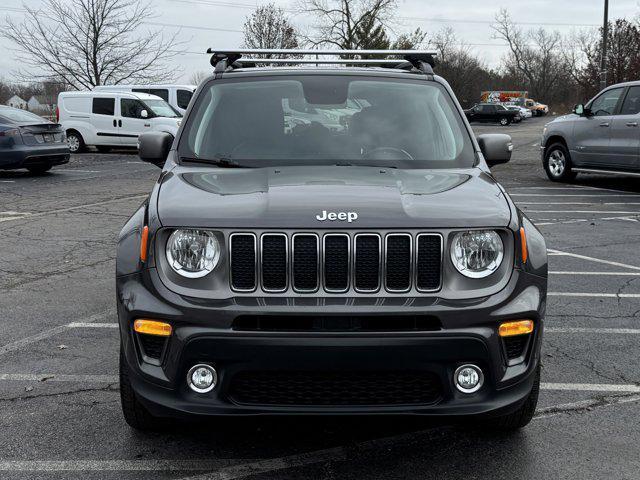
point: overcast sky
(204, 23)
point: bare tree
(268, 27)
(536, 54)
(464, 71)
(409, 41)
(196, 78)
(340, 22)
(87, 43)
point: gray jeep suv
(602, 136)
(364, 262)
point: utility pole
(605, 37)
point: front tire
(521, 417)
(135, 414)
(557, 163)
(504, 121)
(76, 142)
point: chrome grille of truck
(304, 262)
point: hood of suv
(320, 197)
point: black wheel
(103, 148)
(76, 142)
(39, 169)
(521, 417)
(504, 121)
(135, 414)
(557, 163)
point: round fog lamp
(202, 378)
(468, 378)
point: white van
(178, 96)
(113, 119)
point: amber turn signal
(152, 327)
(520, 327)
(523, 245)
(143, 244)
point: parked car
(113, 119)
(537, 109)
(178, 96)
(376, 269)
(490, 112)
(602, 136)
(524, 112)
(516, 109)
(31, 142)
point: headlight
(193, 253)
(477, 254)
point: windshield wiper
(361, 164)
(223, 162)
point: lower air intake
(335, 388)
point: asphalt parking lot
(59, 402)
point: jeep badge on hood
(333, 216)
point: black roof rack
(420, 60)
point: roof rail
(422, 60)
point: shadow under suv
(376, 267)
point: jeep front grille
(335, 262)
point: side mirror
(153, 147)
(144, 114)
(579, 109)
(496, 148)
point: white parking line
(591, 259)
(594, 212)
(603, 331)
(13, 346)
(591, 387)
(577, 274)
(94, 325)
(198, 465)
(593, 295)
(603, 195)
(538, 222)
(578, 203)
(50, 377)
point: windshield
(321, 119)
(21, 116)
(160, 108)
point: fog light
(468, 378)
(202, 378)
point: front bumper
(203, 333)
(23, 156)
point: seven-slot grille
(335, 262)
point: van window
(631, 105)
(131, 108)
(184, 97)
(104, 106)
(163, 93)
(76, 104)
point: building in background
(17, 102)
(41, 105)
